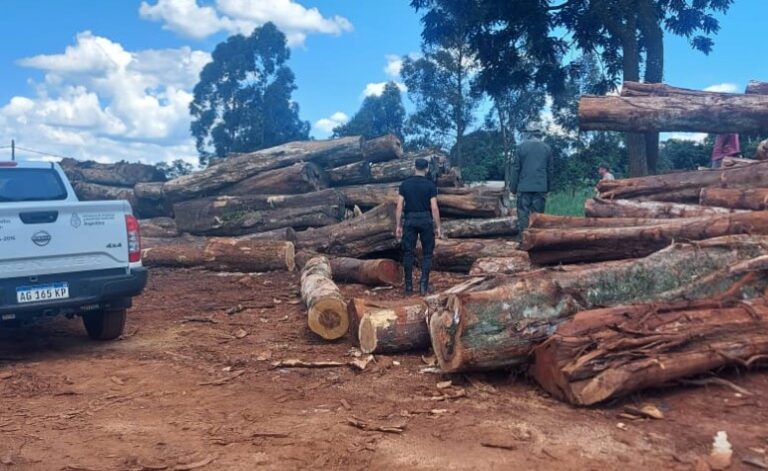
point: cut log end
(444, 332)
(328, 318)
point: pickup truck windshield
(30, 184)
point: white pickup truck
(62, 256)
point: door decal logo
(41, 238)
(75, 221)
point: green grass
(568, 202)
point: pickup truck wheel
(105, 325)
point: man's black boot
(424, 284)
(408, 288)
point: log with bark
(606, 353)
(458, 255)
(729, 162)
(497, 327)
(684, 196)
(303, 177)
(122, 174)
(501, 265)
(756, 199)
(141, 207)
(755, 87)
(603, 208)
(326, 154)
(326, 309)
(223, 254)
(549, 221)
(555, 246)
(490, 227)
(283, 233)
(373, 231)
(375, 272)
(237, 215)
(735, 177)
(360, 173)
(451, 178)
(715, 113)
(158, 227)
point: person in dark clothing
(417, 217)
(531, 176)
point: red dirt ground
(150, 400)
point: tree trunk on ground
(380, 272)
(372, 232)
(122, 174)
(500, 265)
(549, 221)
(283, 233)
(498, 327)
(493, 227)
(237, 215)
(369, 196)
(756, 199)
(151, 191)
(685, 196)
(601, 354)
(326, 310)
(459, 254)
(602, 208)
(720, 114)
(304, 177)
(755, 87)
(554, 246)
(158, 227)
(326, 154)
(739, 177)
(224, 254)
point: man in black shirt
(418, 200)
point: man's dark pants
(527, 203)
(418, 226)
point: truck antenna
(13, 149)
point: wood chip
(117, 380)
(444, 384)
(362, 425)
(201, 319)
(240, 333)
(345, 404)
(6, 375)
(361, 363)
(235, 309)
(197, 464)
(221, 381)
(648, 411)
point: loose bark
(326, 154)
(755, 87)
(326, 310)
(303, 177)
(493, 227)
(756, 199)
(497, 327)
(158, 227)
(378, 272)
(122, 174)
(224, 254)
(602, 208)
(372, 232)
(237, 215)
(501, 265)
(722, 113)
(602, 354)
(459, 254)
(554, 246)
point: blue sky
(111, 80)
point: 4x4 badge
(75, 221)
(41, 238)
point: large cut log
(326, 154)
(122, 174)
(602, 354)
(549, 221)
(603, 208)
(636, 89)
(141, 208)
(158, 227)
(459, 254)
(755, 87)
(283, 233)
(152, 191)
(756, 199)
(577, 245)
(734, 177)
(386, 172)
(371, 232)
(352, 174)
(397, 326)
(237, 215)
(303, 177)
(326, 310)
(498, 327)
(223, 254)
(491, 227)
(720, 113)
(501, 265)
(376, 272)
(369, 196)
(451, 178)
(684, 196)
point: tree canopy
(243, 100)
(377, 116)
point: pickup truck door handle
(39, 217)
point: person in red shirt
(726, 145)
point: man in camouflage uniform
(531, 176)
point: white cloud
(377, 88)
(698, 137)
(326, 125)
(723, 88)
(394, 65)
(100, 101)
(187, 18)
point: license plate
(39, 293)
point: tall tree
(243, 100)
(377, 116)
(509, 34)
